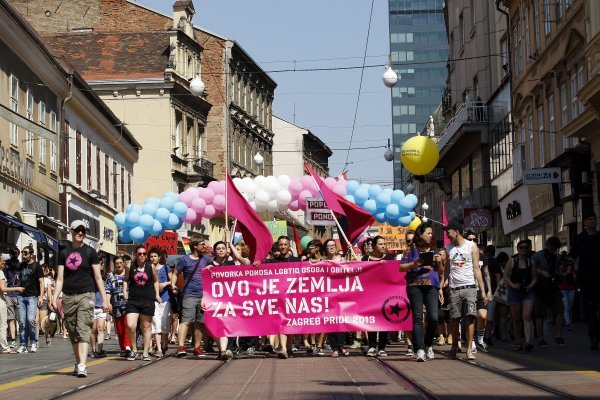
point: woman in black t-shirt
(379, 252)
(140, 289)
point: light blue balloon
(383, 200)
(167, 202)
(392, 211)
(129, 208)
(150, 209)
(350, 198)
(413, 200)
(145, 237)
(137, 234)
(406, 204)
(412, 215)
(405, 220)
(137, 208)
(371, 206)
(119, 220)
(396, 196)
(124, 236)
(388, 191)
(352, 186)
(380, 217)
(162, 215)
(374, 191)
(171, 195)
(132, 219)
(146, 222)
(180, 224)
(172, 222)
(394, 222)
(361, 195)
(152, 200)
(157, 229)
(179, 209)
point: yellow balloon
(414, 224)
(419, 155)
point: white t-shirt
(461, 264)
(2, 278)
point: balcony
(203, 167)
(482, 197)
(192, 170)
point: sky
(284, 34)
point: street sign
(540, 176)
(317, 212)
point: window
(53, 157)
(526, 27)
(541, 138)
(551, 126)
(106, 177)
(122, 188)
(574, 101)
(66, 153)
(559, 10)
(475, 89)
(461, 30)
(128, 188)
(547, 17)
(536, 23)
(29, 139)
(564, 107)
(98, 171)
(115, 188)
(88, 165)
(518, 57)
(531, 146)
(42, 116)
(78, 158)
(580, 83)
(42, 150)
(14, 106)
(568, 4)
(504, 55)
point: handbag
(501, 293)
(181, 292)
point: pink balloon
(188, 195)
(218, 187)
(198, 205)
(190, 216)
(219, 202)
(209, 212)
(303, 195)
(302, 204)
(295, 187)
(307, 182)
(330, 182)
(207, 194)
(294, 206)
(340, 188)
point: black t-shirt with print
(141, 283)
(30, 278)
(78, 272)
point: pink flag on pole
(256, 234)
(445, 223)
(354, 219)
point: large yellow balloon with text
(419, 155)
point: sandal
(10, 351)
(346, 353)
(335, 354)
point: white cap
(77, 223)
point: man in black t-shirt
(32, 280)
(78, 277)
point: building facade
(419, 53)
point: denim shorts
(518, 296)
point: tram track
(406, 380)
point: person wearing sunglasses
(520, 275)
(32, 280)
(140, 289)
(78, 277)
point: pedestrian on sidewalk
(4, 347)
(114, 286)
(30, 299)
(78, 278)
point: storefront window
(536, 236)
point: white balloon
(261, 182)
(283, 207)
(262, 198)
(272, 205)
(251, 188)
(238, 182)
(284, 197)
(284, 181)
(273, 187)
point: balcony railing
(468, 113)
(201, 166)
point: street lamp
(197, 86)
(390, 77)
(258, 159)
(389, 154)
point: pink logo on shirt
(140, 278)
(73, 261)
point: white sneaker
(372, 352)
(430, 354)
(81, 371)
(22, 349)
(473, 347)
(75, 369)
(421, 355)
(382, 353)
(34, 347)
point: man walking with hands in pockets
(462, 270)
(78, 277)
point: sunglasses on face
(79, 231)
(25, 253)
(141, 253)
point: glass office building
(419, 51)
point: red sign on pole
(478, 217)
(167, 242)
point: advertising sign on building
(317, 212)
(167, 241)
(540, 176)
(277, 228)
(478, 217)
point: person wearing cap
(78, 278)
(464, 275)
(585, 247)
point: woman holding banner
(337, 339)
(423, 288)
(379, 252)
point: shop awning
(35, 233)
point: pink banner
(295, 298)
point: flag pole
(335, 219)
(227, 128)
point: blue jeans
(568, 301)
(28, 308)
(419, 295)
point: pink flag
(353, 219)
(256, 234)
(445, 223)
